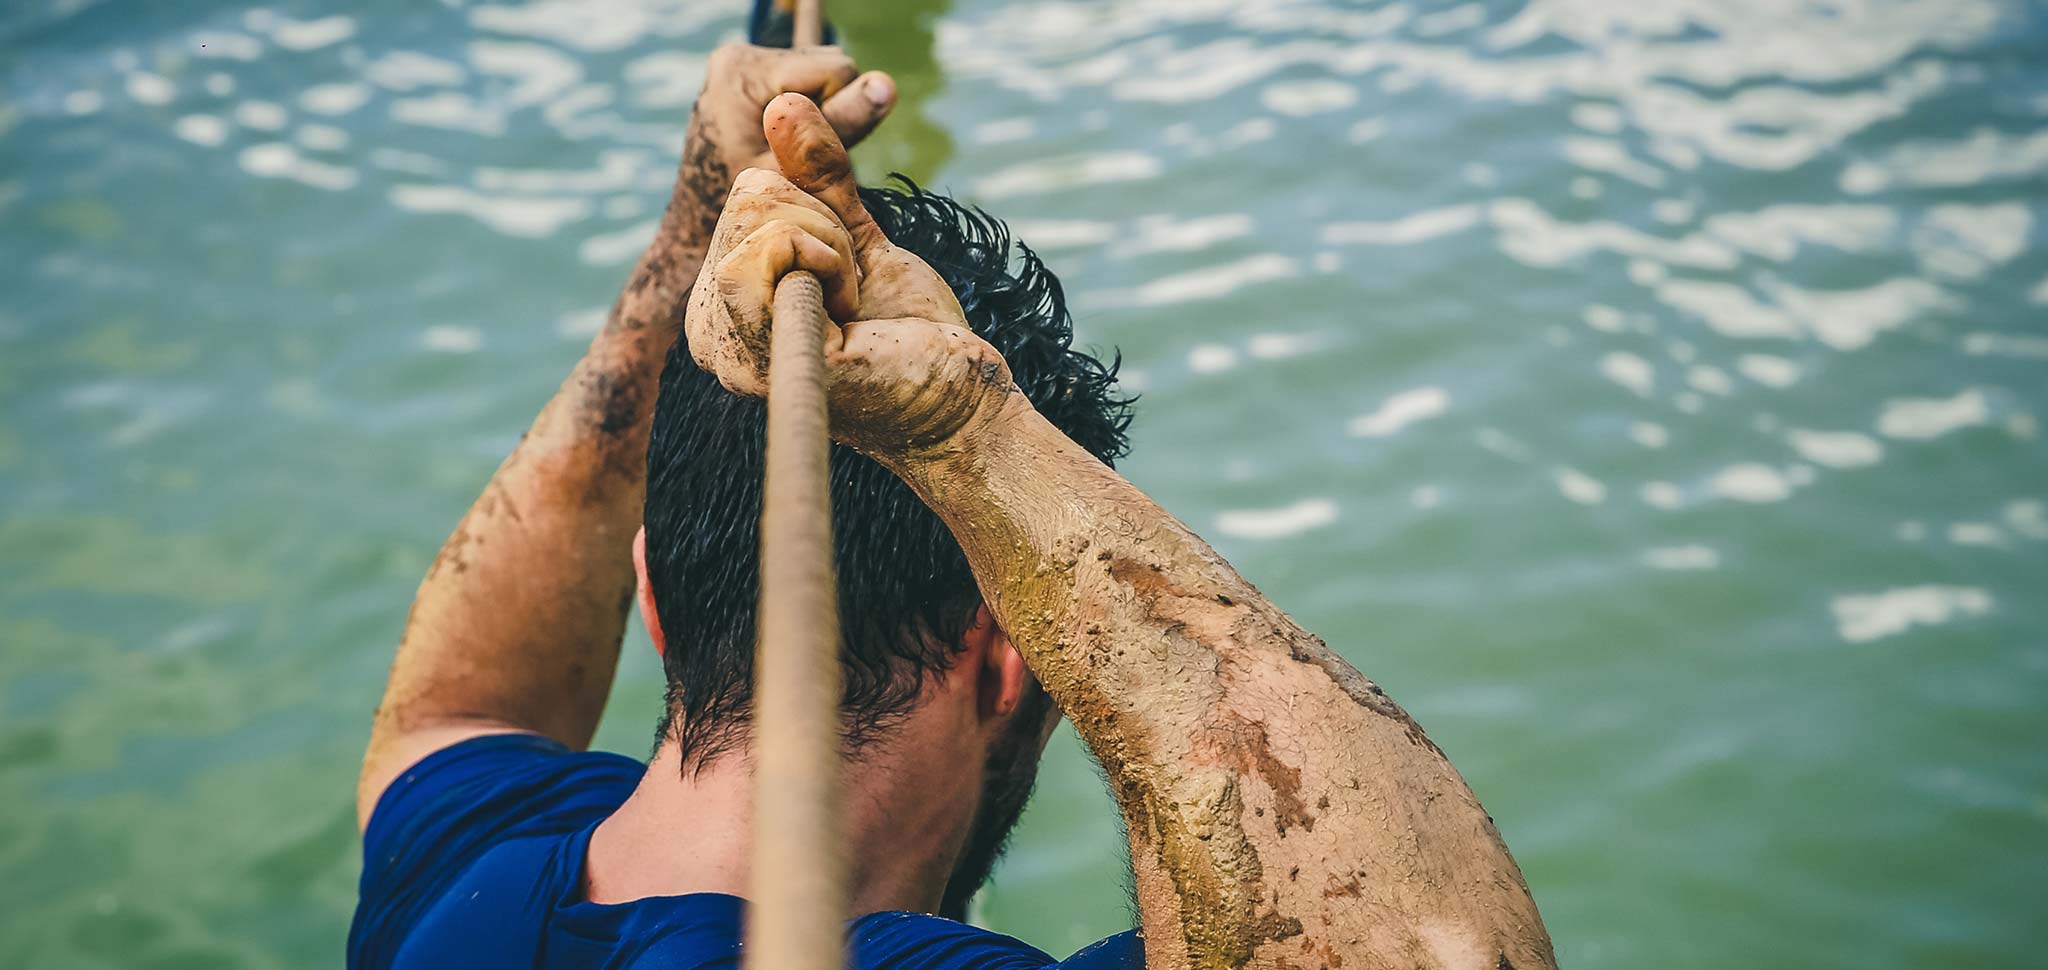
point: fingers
(860, 106)
(809, 152)
(817, 73)
(749, 272)
(759, 197)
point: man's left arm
(516, 627)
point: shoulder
(1124, 951)
(706, 933)
(479, 788)
(442, 815)
(914, 941)
(877, 941)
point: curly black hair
(906, 594)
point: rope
(797, 889)
(797, 893)
(810, 24)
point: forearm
(518, 622)
(1278, 803)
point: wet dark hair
(905, 592)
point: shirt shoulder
(1124, 951)
(448, 810)
(916, 941)
(913, 941)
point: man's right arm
(1281, 808)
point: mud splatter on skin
(1254, 755)
(1349, 887)
(702, 181)
(616, 403)
(1273, 926)
(652, 270)
(496, 499)
(992, 375)
(1358, 687)
(450, 557)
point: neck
(682, 834)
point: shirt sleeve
(1124, 951)
(914, 941)
(457, 803)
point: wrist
(994, 428)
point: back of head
(905, 590)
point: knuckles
(755, 181)
(778, 238)
(729, 60)
(724, 56)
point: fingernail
(880, 90)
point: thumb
(811, 156)
(860, 106)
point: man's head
(909, 607)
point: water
(1648, 394)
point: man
(1282, 812)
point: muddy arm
(1282, 810)
(516, 627)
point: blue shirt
(474, 858)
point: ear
(1003, 677)
(644, 593)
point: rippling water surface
(1648, 394)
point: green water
(1647, 394)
